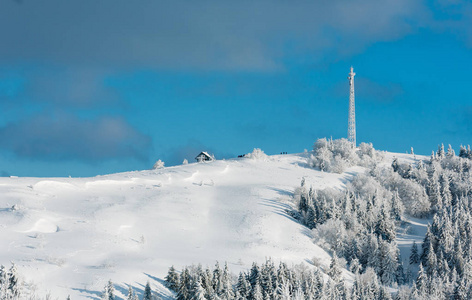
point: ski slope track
(69, 236)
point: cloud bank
(209, 35)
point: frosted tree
(450, 152)
(414, 256)
(388, 263)
(198, 291)
(254, 275)
(185, 162)
(4, 283)
(218, 279)
(131, 294)
(334, 268)
(148, 292)
(299, 295)
(257, 154)
(397, 206)
(383, 293)
(185, 285)
(355, 266)
(13, 282)
(257, 292)
(227, 290)
(421, 285)
(172, 279)
(431, 261)
(158, 165)
(440, 154)
(109, 291)
(445, 191)
(243, 286)
(283, 290)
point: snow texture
(70, 236)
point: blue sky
(94, 87)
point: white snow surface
(69, 236)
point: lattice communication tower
(351, 131)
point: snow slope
(71, 235)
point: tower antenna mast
(351, 131)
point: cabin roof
(204, 153)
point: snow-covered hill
(71, 235)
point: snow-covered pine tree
(131, 294)
(414, 256)
(384, 294)
(148, 292)
(243, 287)
(257, 292)
(431, 261)
(198, 291)
(254, 275)
(185, 285)
(14, 285)
(299, 295)
(334, 268)
(109, 291)
(4, 282)
(172, 279)
(440, 154)
(420, 288)
(388, 262)
(227, 289)
(283, 291)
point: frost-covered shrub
(338, 155)
(257, 154)
(158, 165)
(366, 186)
(412, 194)
(331, 235)
(345, 149)
(368, 156)
(338, 164)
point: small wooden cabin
(204, 156)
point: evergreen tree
(172, 279)
(400, 272)
(185, 286)
(254, 275)
(4, 282)
(13, 282)
(414, 256)
(421, 284)
(131, 294)
(334, 268)
(243, 287)
(460, 291)
(283, 291)
(198, 291)
(440, 154)
(355, 266)
(218, 279)
(384, 294)
(109, 293)
(257, 292)
(148, 292)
